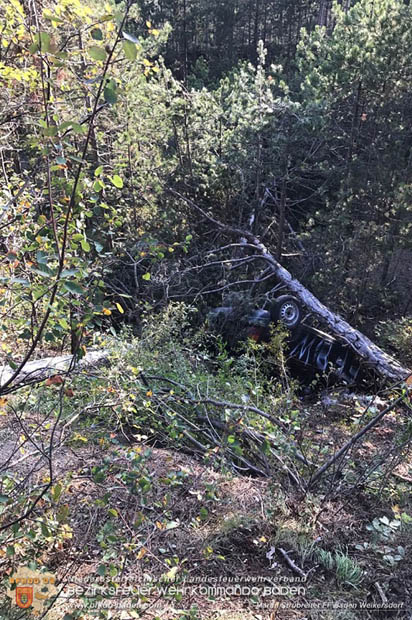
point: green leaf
(22, 281)
(10, 551)
(72, 287)
(101, 570)
(53, 18)
(98, 171)
(57, 491)
(85, 245)
(146, 276)
(63, 513)
(42, 257)
(64, 324)
(117, 181)
(110, 95)
(61, 160)
(98, 186)
(49, 131)
(73, 126)
(97, 53)
(42, 270)
(34, 47)
(3, 499)
(97, 34)
(78, 128)
(44, 41)
(74, 158)
(130, 50)
(231, 439)
(66, 273)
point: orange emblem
(24, 597)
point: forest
(206, 309)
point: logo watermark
(29, 588)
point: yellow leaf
(67, 531)
(17, 6)
(149, 24)
(119, 307)
(155, 32)
(78, 437)
(160, 526)
(107, 311)
(396, 510)
(141, 553)
(171, 574)
(149, 393)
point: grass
(347, 571)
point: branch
(356, 437)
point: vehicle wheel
(286, 309)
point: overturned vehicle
(309, 349)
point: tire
(287, 310)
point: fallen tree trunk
(383, 364)
(37, 371)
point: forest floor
(209, 544)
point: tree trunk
(382, 363)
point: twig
(292, 564)
(381, 593)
